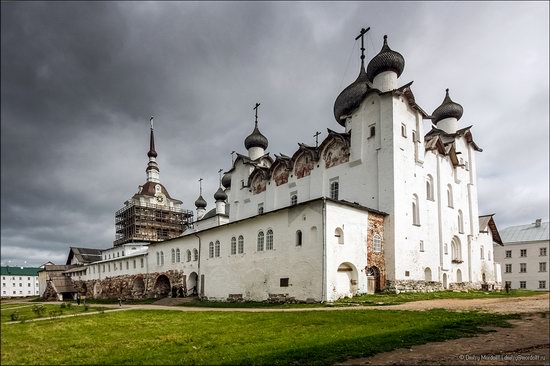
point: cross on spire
(220, 173)
(151, 121)
(317, 138)
(362, 36)
(200, 187)
(233, 157)
(256, 114)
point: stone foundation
(433, 286)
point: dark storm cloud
(79, 81)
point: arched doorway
(346, 280)
(373, 274)
(97, 290)
(428, 274)
(138, 287)
(445, 281)
(83, 289)
(458, 276)
(192, 284)
(162, 286)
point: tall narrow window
(450, 196)
(217, 247)
(429, 188)
(178, 255)
(421, 245)
(188, 253)
(481, 252)
(334, 190)
(377, 243)
(158, 259)
(293, 199)
(299, 238)
(415, 211)
(460, 222)
(211, 250)
(195, 255)
(456, 250)
(269, 240)
(233, 246)
(173, 256)
(445, 249)
(372, 131)
(241, 244)
(339, 234)
(260, 246)
(161, 258)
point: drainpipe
(323, 294)
(199, 285)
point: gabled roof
(526, 233)
(84, 255)
(487, 223)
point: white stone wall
(19, 286)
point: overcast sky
(80, 80)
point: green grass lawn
(393, 299)
(173, 337)
(246, 304)
(26, 312)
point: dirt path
(526, 343)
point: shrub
(69, 305)
(63, 305)
(39, 310)
(14, 316)
(55, 313)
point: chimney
(538, 222)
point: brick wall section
(376, 259)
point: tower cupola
(200, 203)
(256, 143)
(226, 180)
(384, 68)
(446, 116)
(152, 167)
(220, 195)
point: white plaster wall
(19, 286)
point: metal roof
(525, 233)
(19, 271)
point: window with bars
(377, 240)
(334, 190)
(211, 250)
(241, 244)
(217, 248)
(233, 245)
(269, 240)
(260, 243)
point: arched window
(460, 222)
(158, 259)
(429, 188)
(217, 247)
(313, 235)
(293, 199)
(233, 245)
(269, 240)
(241, 244)
(211, 250)
(178, 257)
(173, 255)
(415, 210)
(377, 240)
(339, 233)
(449, 196)
(456, 250)
(260, 247)
(299, 238)
(482, 253)
(428, 274)
(161, 258)
(188, 255)
(195, 255)
(458, 276)
(334, 190)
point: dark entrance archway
(138, 287)
(374, 272)
(192, 284)
(162, 286)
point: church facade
(378, 205)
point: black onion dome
(447, 109)
(220, 195)
(386, 60)
(351, 97)
(226, 180)
(256, 139)
(200, 202)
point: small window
(217, 248)
(481, 252)
(522, 267)
(211, 249)
(542, 266)
(522, 284)
(161, 258)
(127, 265)
(178, 255)
(421, 245)
(339, 234)
(141, 262)
(429, 188)
(233, 245)
(460, 222)
(334, 190)
(188, 255)
(158, 259)
(407, 273)
(293, 200)
(523, 253)
(299, 238)
(508, 254)
(195, 255)
(445, 249)
(403, 130)
(241, 244)
(542, 252)
(377, 241)
(449, 196)
(283, 282)
(508, 268)
(542, 284)
(133, 265)
(372, 130)
(489, 255)
(269, 240)
(260, 243)
(260, 208)
(173, 256)
(415, 211)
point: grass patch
(172, 337)
(394, 299)
(46, 310)
(245, 304)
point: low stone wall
(432, 286)
(150, 285)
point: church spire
(152, 167)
